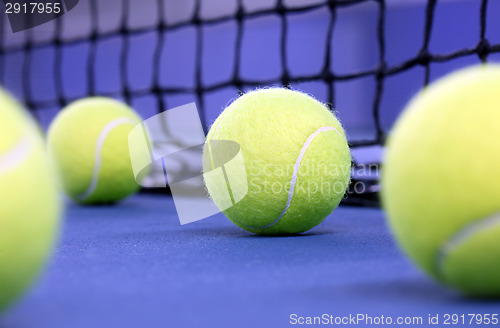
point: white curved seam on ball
(459, 238)
(296, 172)
(15, 156)
(98, 160)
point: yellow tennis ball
(29, 205)
(440, 181)
(88, 142)
(296, 162)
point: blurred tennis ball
(88, 142)
(29, 206)
(440, 181)
(296, 162)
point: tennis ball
(29, 206)
(296, 162)
(440, 181)
(88, 142)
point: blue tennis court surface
(133, 265)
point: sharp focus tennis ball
(29, 205)
(441, 180)
(295, 164)
(88, 143)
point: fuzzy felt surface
(88, 142)
(29, 202)
(296, 159)
(438, 179)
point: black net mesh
(56, 41)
